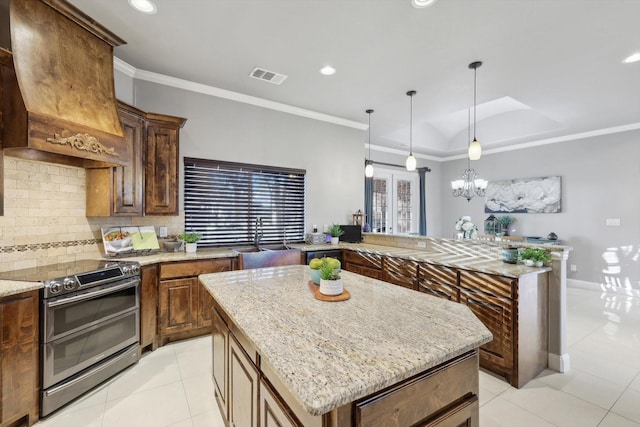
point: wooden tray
(315, 290)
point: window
(223, 201)
(395, 202)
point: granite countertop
(13, 287)
(332, 353)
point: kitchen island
(387, 356)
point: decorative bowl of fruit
(316, 263)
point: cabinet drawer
(438, 273)
(488, 283)
(171, 270)
(438, 289)
(400, 272)
(364, 259)
(418, 399)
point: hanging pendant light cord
(475, 71)
(369, 112)
(411, 127)
(469, 135)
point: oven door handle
(89, 295)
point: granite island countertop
(332, 353)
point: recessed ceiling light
(327, 70)
(422, 3)
(144, 6)
(632, 58)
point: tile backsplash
(44, 218)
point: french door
(395, 202)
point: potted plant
(535, 256)
(330, 280)
(505, 222)
(335, 232)
(316, 263)
(191, 241)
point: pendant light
(368, 169)
(475, 150)
(411, 161)
(470, 185)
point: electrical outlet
(613, 222)
(573, 268)
(422, 244)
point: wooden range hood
(59, 101)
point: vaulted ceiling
(552, 69)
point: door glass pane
(379, 223)
(403, 206)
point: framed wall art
(527, 195)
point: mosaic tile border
(48, 245)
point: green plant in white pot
(330, 280)
(190, 241)
(335, 232)
(535, 257)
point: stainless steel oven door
(68, 314)
(71, 354)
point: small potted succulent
(330, 280)
(316, 263)
(335, 232)
(190, 241)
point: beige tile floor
(171, 387)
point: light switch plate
(422, 244)
(164, 232)
(613, 222)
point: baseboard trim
(559, 363)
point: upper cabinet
(148, 185)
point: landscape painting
(527, 195)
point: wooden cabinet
(439, 281)
(149, 306)
(273, 413)
(220, 356)
(514, 309)
(147, 185)
(184, 305)
(243, 387)
(161, 164)
(400, 272)
(250, 393)
(365, 263)
(19, 359)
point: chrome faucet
(258, 235)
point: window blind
(223, 201)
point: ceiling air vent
(267, 76)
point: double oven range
(89, 325)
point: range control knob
(55, 287)
(135, 269)
(68, 284)
(126, 269)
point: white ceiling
(552, 68)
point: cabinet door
(161, 170)
(466, 414)
(220, 353)
(364, 263)
(496, 313)
(19, 357)
(127, 180)
(178, 305)
(243, 387)
(205, 304)
(272, 413)
(148, 305)
(439, 281)
(400, 272)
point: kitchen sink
(267, 256)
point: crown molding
(165, 80)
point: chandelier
(470, 185)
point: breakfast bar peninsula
(387, 356)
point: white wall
(600, 179)
(226, 130)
